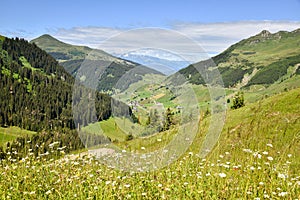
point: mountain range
(38, 78)
(163, 61)
(111, 68)
(262, 59)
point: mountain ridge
(71, 57)
(261, 51)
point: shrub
(238, 100)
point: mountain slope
(261, 59)
(64, 52)
(36, 92)
(156, 61)
(71, 58)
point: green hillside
(60, 50)
(256, 155)
(11, 133)
(256, 158)
(261, 59)
(37, 95)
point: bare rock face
(262, 36)
(265, 34)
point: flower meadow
(258, 175)
(256, 157)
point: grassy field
(258, 92)
(11, 133)
(256, 157)
(108, 128)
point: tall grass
(257, 157)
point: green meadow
(256, 157)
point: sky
(214, 24)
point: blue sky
(38, 16)
(68, 20)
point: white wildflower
(283, 176)
(270, 158)
(48, 192)
(222, 175)
(270, 145)
(127, 185)
(247, 150)
(282, 194)
(226, 166)
(53, 144)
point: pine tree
(238, 100)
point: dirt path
(101, 152)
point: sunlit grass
(256, 157)
(256, 174)
(11, 133)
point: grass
(258, 92)
(108, 128)
(26, 64)
(2, 38)
(50, 44)
(117, 129)
(11, 133)
(256, 157)
(270, 50)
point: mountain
(37, 94)
(159, 60)
(71, 57)
(65, 52)
(262, 59)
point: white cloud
(182, 38)
(91, 36)
(216, 37)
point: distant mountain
(262, 59)
(71, 58)
(159, 60)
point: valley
(81, 123)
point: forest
(36, 94)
